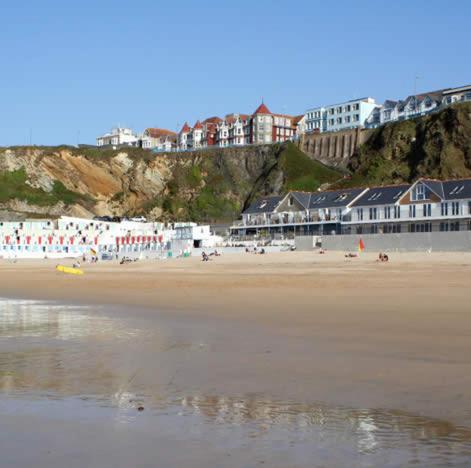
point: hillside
(437, 146)
(217, 184)
(207, 185)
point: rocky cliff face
(211, 185)
(437, 146)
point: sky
(70, 71)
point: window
(444, 227)
(374, 229)
(332, 111)
(419, 192)
(455, 226)
(387, 212)
(356, 117)
(339, 110)
(375, 196)
(427, 209)
(373, 213)
(360, 214)
(457, 189)
(290, 201)
(339, 120)
(356, 107)
(397, 212)
(444, 209)
(469, 207)
(411, 211)
(455, 208)
(347, 119)
(348, 108)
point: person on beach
(382, 257)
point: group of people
(255, 250)
(206, 257)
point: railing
(283, 221)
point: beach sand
(299, 326)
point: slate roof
(264, 205)
(303, 198)
(334, 198)
(435, 186)
(382, 195)
(457, 189)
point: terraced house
(261, 127)
(425, 206)
(298, 213)
(417, 105)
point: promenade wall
(405, 242)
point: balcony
(287, 220)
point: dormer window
(418, 193)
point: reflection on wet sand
(372, 428)
(52, 352)
(64, 349)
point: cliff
(216, 184)
(207, 185)
(436, 146)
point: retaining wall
(404, 242)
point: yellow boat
(69, 270)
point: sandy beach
(300, 326)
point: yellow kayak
(69, 270)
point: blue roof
(334, 199)
(382, 195)
(263, 205)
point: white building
(417, 105)
(424, 206)
(195, 136)
(159, 139)
(183, 137)
(119, 136)
(343, 116)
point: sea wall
(404, 242)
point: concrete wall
(334, 148)
(405, 242)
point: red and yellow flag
(361, 246)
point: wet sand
(297, 326)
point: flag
(361, 246)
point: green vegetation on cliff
(435, 146)
(302, 173)
(217, 185)
(13, 185)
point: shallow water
(72, 380)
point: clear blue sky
(69, 67)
